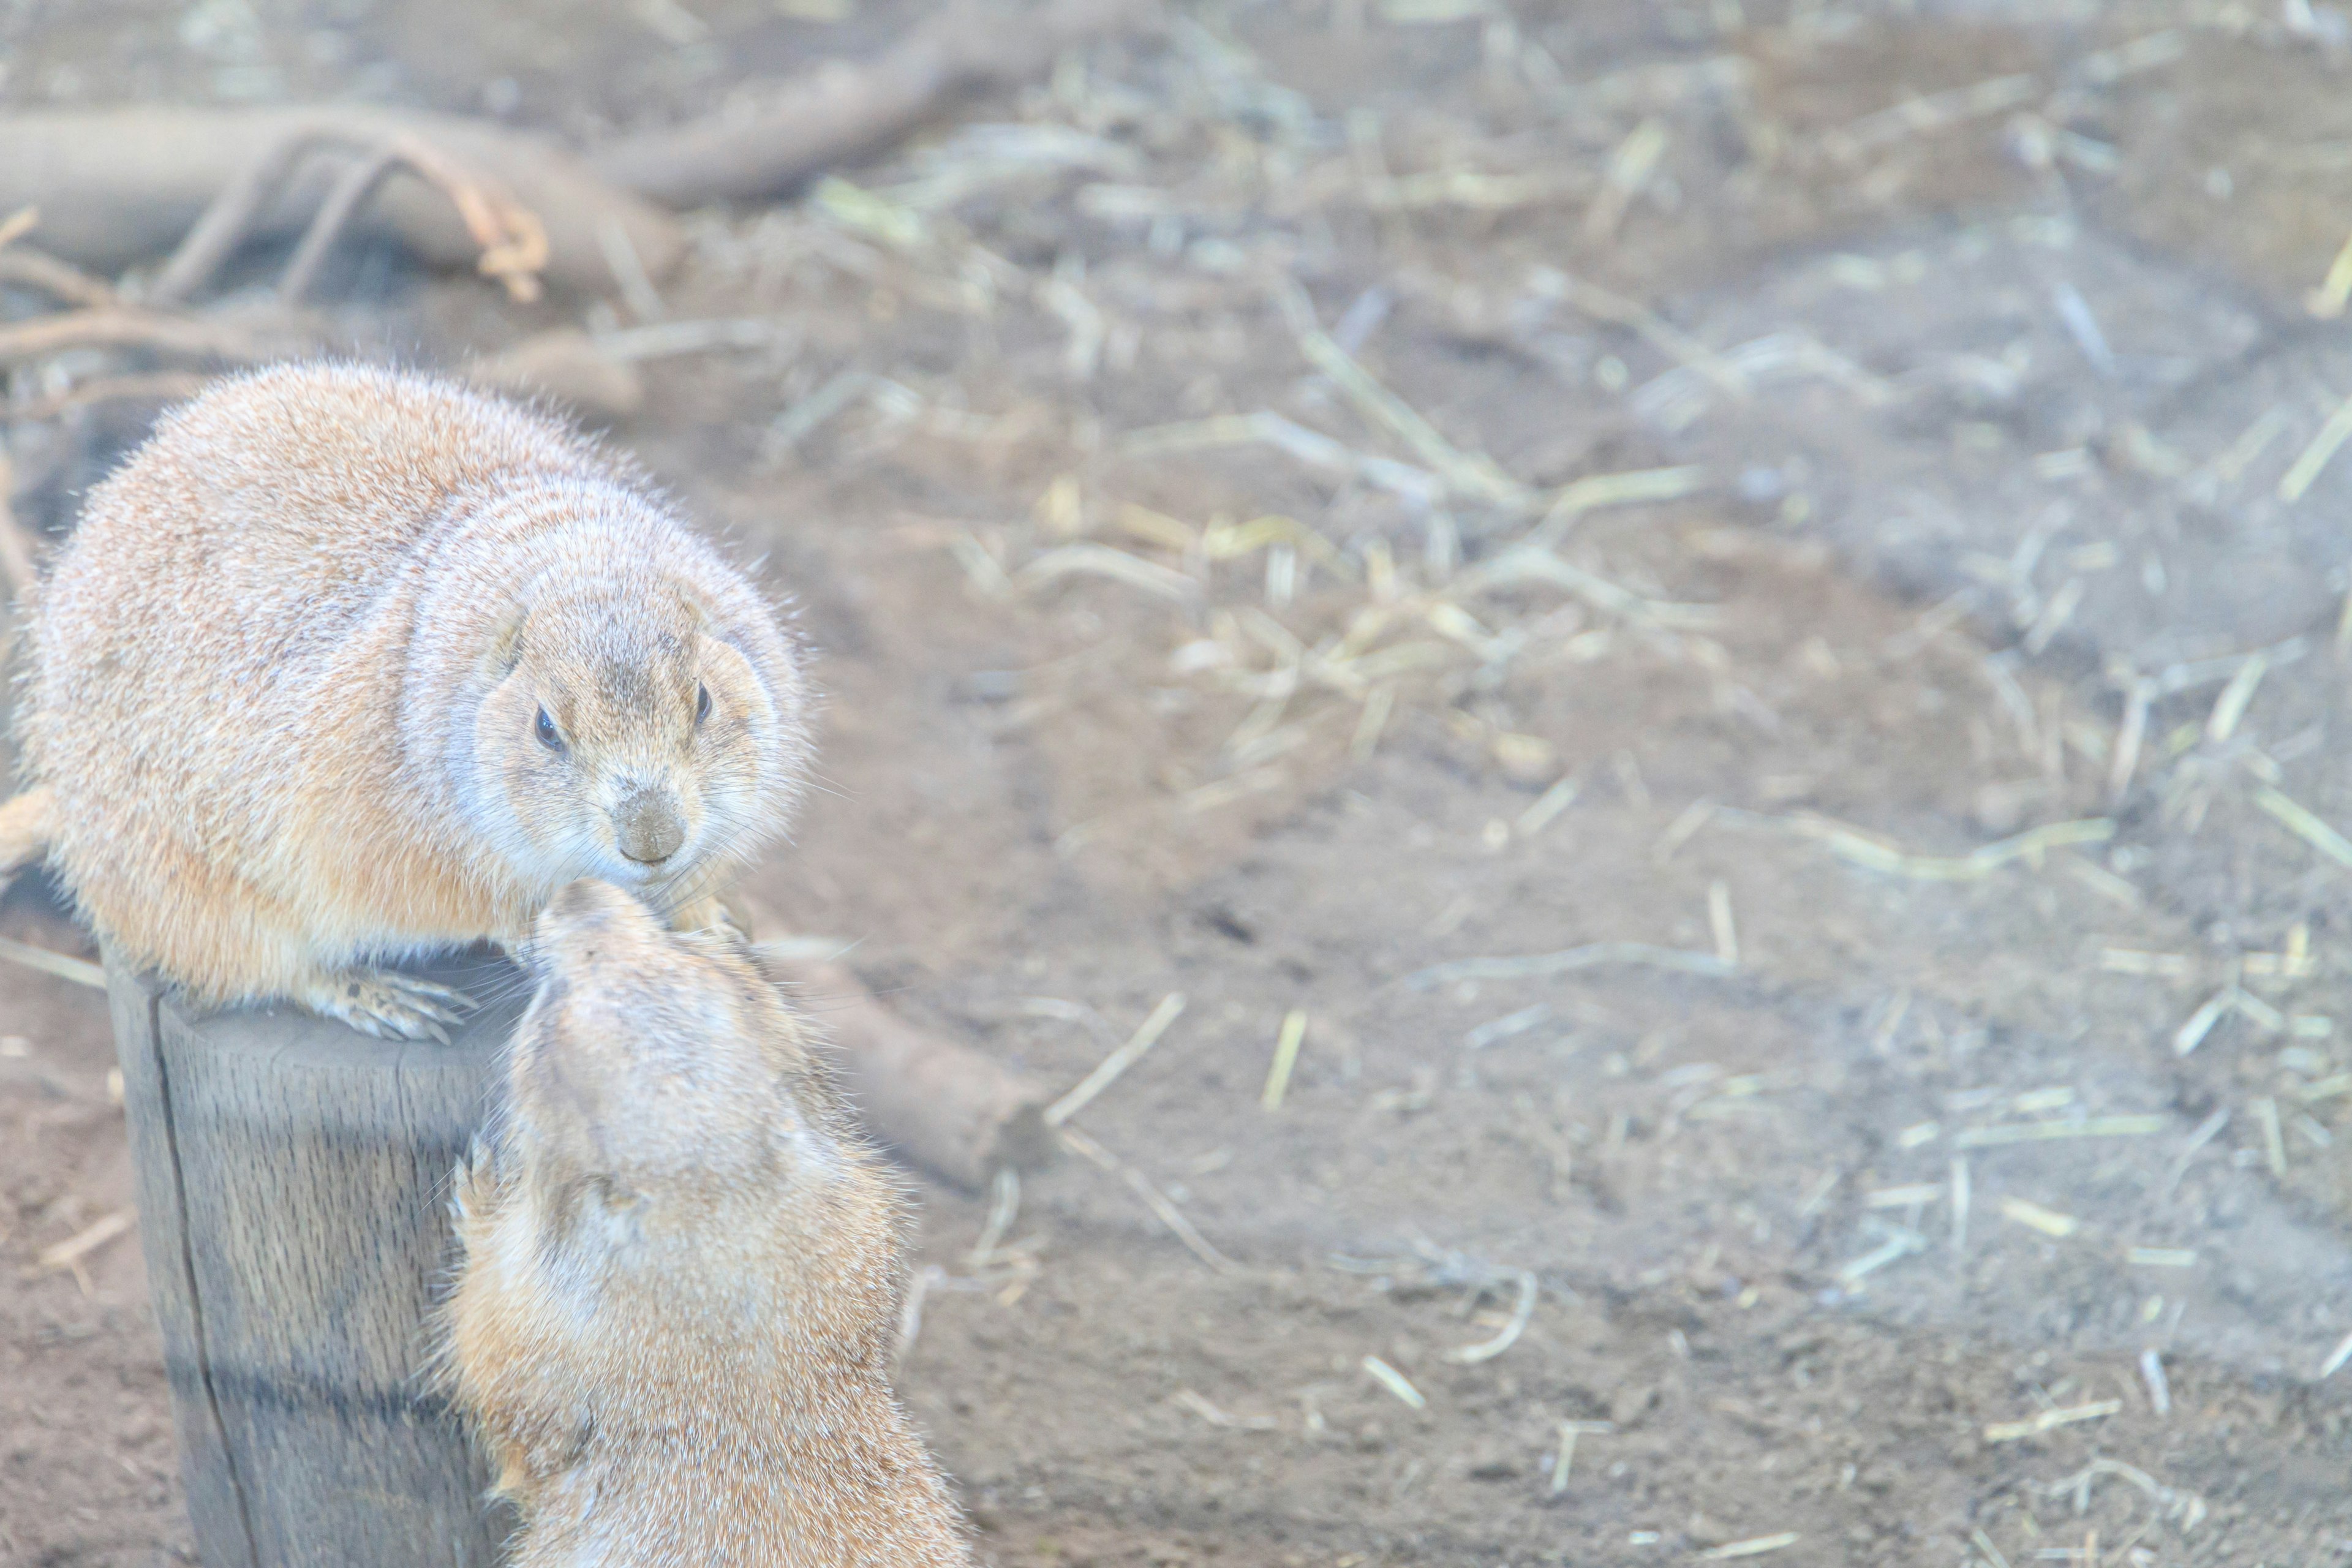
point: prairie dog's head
(673, 1221)
(637, 713)
(651, 1061)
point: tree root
(828, 115)
(117, 186)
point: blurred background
(1707, 636)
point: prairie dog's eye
(545, 728)
(701, 702)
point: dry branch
(119, 186)
(187, 337)
(146, 386)
(839, 110)
(509, 238)
(22, 268)
(944, 1105)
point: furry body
(286, 676)
(680, 1276)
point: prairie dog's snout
(648, 826)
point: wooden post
(293, 1185)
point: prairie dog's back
(291, 491)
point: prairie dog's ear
(699, 617)
(504, 651)
(713, 622)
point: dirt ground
(1826, 957)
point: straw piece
(1907, 1196)
(2266, 1116)
(1101, 561)
(1630, 168)
(1960, 1199)
(2039, 1131)
(2306, 469)
(1875, 854)
(1548, 804)
(1003, 1207)
(1589, 956)
(2200, 1023)
(2230, 706)
(1755, 1547)
(1395, 1381)
(2033, 1216)
(2160, 1387)
(1721, 923)
(1473, 475)
(1521, 1311)
(2161, 1257)
(2327, 301)
(2304, 825)
(1285, 1058)
(1899, 1245)
(1535, 562)
(1146, 1036)
(2051, 1420)
(2131, 961)
(1935, 112)
(81, 970)
(1616, 309)
(2129, 739)
(74, 1248)
(1577, 497)
(1266, 428)
(1153, 1198)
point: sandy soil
(1919, 1144)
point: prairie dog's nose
(647, 825)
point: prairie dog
(680, 1276)
(345, 666)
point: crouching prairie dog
(680, 1274)
(346, 665)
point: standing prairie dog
(680, 1274)
(346, 665)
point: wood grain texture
(292, 1186)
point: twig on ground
(160, 386)
(22, 266)
(18, 574)
(1153, 1198)
(81, 970)
(184, 337)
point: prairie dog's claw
(391, 1006)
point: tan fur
(286, 675)
(681, 1273)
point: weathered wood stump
(293, 1181)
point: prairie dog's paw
(714, 913)
(389, 1004)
